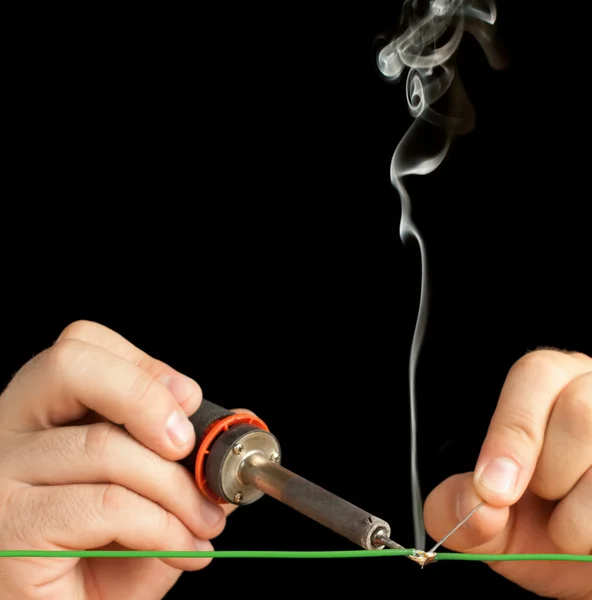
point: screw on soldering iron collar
(211, 435)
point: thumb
(514, 441)
(447, 505)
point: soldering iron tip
(420, 557)
(384, 540)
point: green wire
(199, 554)
(513, 557)
(283, 554)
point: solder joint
(423, 558)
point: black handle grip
(202, 418)
(205, 415)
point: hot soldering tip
(381, 539)
(420, 557)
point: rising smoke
(427, 45)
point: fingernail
(182, 388)
(211, 513)
(179, 429)
(501, 476)
(202, 545)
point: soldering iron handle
(207, 414)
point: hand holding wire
(534, 474)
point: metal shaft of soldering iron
(316, 503)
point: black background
(214, 185)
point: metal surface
(227, 455)
(423, 558)
(419, 556)
(382, 538)
(342, 517)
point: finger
(567, 449)
(515, 438)
(118, 578)
(61, 384)
(519, 529)
(570, 526)
(81, 517)
(448, 504)
(106, 453)
(185, 390)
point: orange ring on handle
(211, 434)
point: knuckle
(557, 537)
(165, 521)
(580, 356)
(112, 498)
(150, 462)
(142, 389)
(78, 330)
(98, 440)
(539, 362)
(544, 485)
(66, 353)
(568, 526)
(576, 400)
(519, 426)
(563, 532)
(152, 365)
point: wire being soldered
(419, 556)
(286, 555)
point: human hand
(70, 479)
(535, 474)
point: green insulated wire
(513, 557)
(284, 554)
(200, 554)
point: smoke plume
(427, 44)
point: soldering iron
(236, 460)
